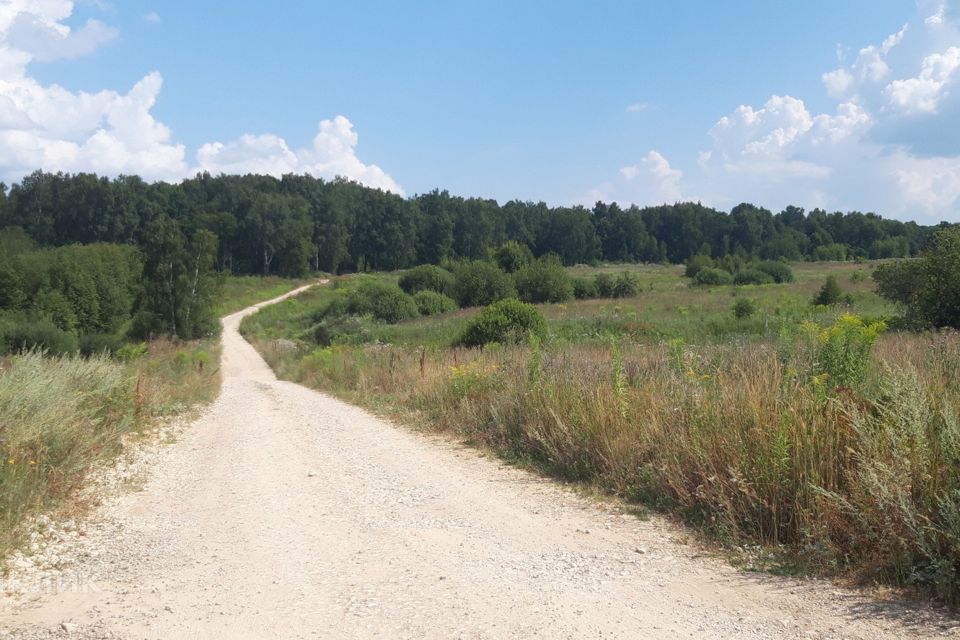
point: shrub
(383, 301)
(929, 287)
(779, 271)
(604, 284)
(431, 303)
(512, 256)
(712, 277)
(584, 288)
(744, 308)
(93, 344)
(19, 332)
(752, 276)
(504, 321)
(626, 285)
(427, 277)
(340, 330)
(845, 350)
(697, 263)
(829, 294)
(478, 283)
(544, 281)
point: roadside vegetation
(805, 420)
(65, 408)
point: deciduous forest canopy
(295, 224)
(89, 261)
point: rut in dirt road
(284, 513)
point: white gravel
(284, 513)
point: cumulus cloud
(153, 17)
(869, 67)
(50, 127)
(656, 177)
(887, 145)
(937, 18)
(333, 154)
(922, 93)
(650, 181)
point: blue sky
(817, 103)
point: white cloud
(922, 93)
(637, 107)
(153, 17)
(838, 82)
(869, 67)
(930, 183)
(937, 18)
(651, 180)
(333, 154)
(36, 31)
(52, 128)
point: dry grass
(738, 439)
(61, 416)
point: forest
(90, 260)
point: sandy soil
(285, 513)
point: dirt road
(284, 513)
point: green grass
(667, 308)
(768, 433)
(60, 416)
(239, 292)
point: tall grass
(57, 417)
(60, 416)
(749, 442)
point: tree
(829, 294)
(544, 281)
(178, 288)
(512, 256)
(928, 287)
(479, 283)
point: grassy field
(805, 435)
(239, 292)
(60, 416)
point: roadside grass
(62, 416)
(239, 292)
(783, 435)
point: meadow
(802, 438)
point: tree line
(296, 224)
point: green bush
(712, 277)
(604, 284)
(584, 288)
(829, 294)
(512, 256)
(427, 277)
(19, 332)
(744, 308)
(93, 344)
(478, 283)
(339, 330)
(697, 263)
(779, 271)
(506, 321)
(431, 303)
(752, 276)
(626, 285)
(928, 287)
(544, 281)
(845, 350)
(383, 301)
